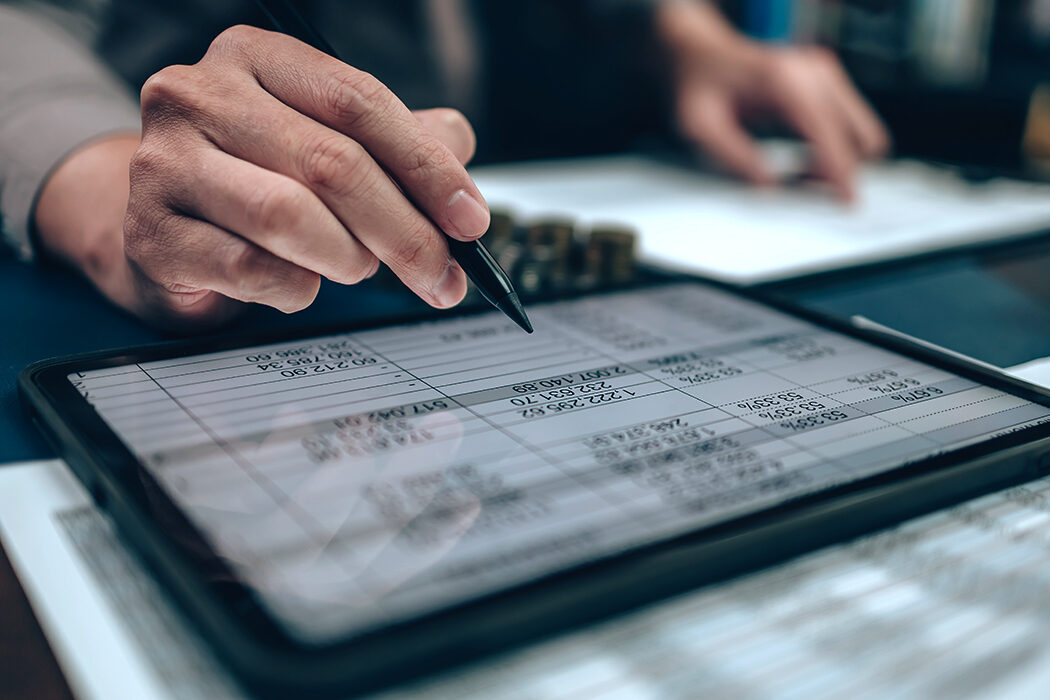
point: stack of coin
(610, 254)
(549, 242)
(500, 233)
(554, 232)
(548, 256)
(536, 273)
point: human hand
(723, 81)
(268, 165)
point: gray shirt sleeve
(55, 95)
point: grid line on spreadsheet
(280, 499)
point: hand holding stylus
(268, 165)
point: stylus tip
(511, 306)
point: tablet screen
(360, 479)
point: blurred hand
(264, 167)
(723, 81)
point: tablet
(341, 511)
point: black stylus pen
(473, 257)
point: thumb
(451, 128)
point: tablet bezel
(254, 644)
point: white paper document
(1036, 371)
(694, 222)
(951, 605)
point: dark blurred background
(956, 80)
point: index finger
(868, 129)
(357, 104)
(832, 151)
(804, 109)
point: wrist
(698, 38)
(79, 216)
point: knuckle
(245, 262)
(138, 235)
(161, 156)
(786, 81)
(251, 272)
(353, 98)
(335, 164)
(426, 156)
(146, 163)
(415, 249)
(235, 40)
(169, 88)
(142, 231)
(274, 208)
(147, 245)
(322, 162)
(160, 171)
(263, 278)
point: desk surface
(51, 313)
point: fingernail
(446, 291)
(466, 215)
